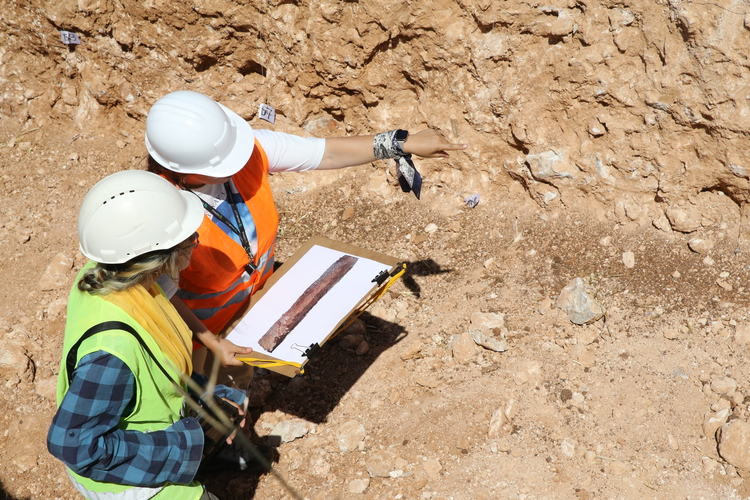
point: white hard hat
(133, 212)
(190, 133)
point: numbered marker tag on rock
(267, 113)
(408, 177)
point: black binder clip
(380, 278)
(310, 351)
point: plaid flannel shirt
(85, 436)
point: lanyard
(251, 267)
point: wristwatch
(401, 136)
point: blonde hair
(107, 278)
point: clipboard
(274, 312)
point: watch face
(401, 135)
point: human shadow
(4, 495)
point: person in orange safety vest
(203, 147)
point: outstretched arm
(351, 151)
(222, 349)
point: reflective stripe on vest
(134, 493)
(265, 268)
(215, 285)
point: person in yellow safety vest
(120, 427)
(208, 150)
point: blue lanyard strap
(251, 267)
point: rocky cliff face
(636, 102)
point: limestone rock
(581, 308)
(432, 467)
(682, 220)
(412, 351)
(742, 334)
(14, 361)
(350, 435)
(723, 385)
(713, 421)
(289, 430)
(380, 464)
(628, 258)
(487, 321)
(734, 443)
(700, 245)
(359, 485)
(56, 274)
(489, 342)
(464, 348)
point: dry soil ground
(587, 123)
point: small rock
(684, 221)
(429, 381)
(320, 467)
(289, 430)
(618, 468)
(589, 457)
(14, 360)
(596, 129)
(350, 435)
(709, 261)
(524, 371)
(723, 284)
(671, 333)
(709, 464)
(430, 228)
(487, 321)
(357, 486)
(348, 213)
(432, 467)
(628, 258)
(676, 274)
(742, 334)
(488, 342)
(464, 349)
(606, 241)
(363, 348)
(700, 245)
(24, 235)
(46, 387)
(568, 447)
(121, 144)
(633, 209)
(413, 351)
(380, 464)
(56, 274)
(723, 385)
(356, 327)
(734, 443)
(57, 307)
(662, 223)
(581, 308)
(350, 342)
(713, 421)
(499, 424)
(25, 463)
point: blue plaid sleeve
(85, 436)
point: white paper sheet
(324, 316)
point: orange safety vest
(215, 286)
